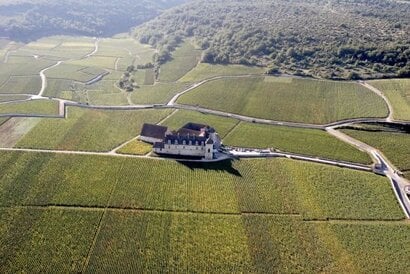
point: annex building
(191, 140)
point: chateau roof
(153, 131)
(195, 126)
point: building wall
(185, 150)
(149, 139)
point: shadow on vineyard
(223, 166)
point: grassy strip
(136, 147)
(287, 99)
(297, 140)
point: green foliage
(293, 36)
(30, 19)
(89, 130)
(287, 99)
(398, 93)
(303, 141)
(136, 147)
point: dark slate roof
(209, 141)
(186, 138)
(194, 126)
(153, 131)
(186, 132)
(158, 145)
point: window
(209, 150)
(169, 142)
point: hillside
(338, 39)
(25, 20)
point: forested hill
(346, 39)
(25, 20)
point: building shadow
(222, 166)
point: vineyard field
(297, 140)
(395, 146)
(206, 71)
(41, 107)
(255, 186)
(160, 93)
(184, 59)
(288, 99)
(398, 93)
(100, 130)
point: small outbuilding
(152, 133)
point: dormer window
(176, 142)
(169, 142)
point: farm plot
(24, 69)
(297, 140)
(276, 186)
(396, 146)
(222, 125)
(66, 89)
(157, 94)
(101, 98)
(184, 59)
(100, 130)
(285, 99)
(40, 107)
(106, 62)
(398, 93)
(8, 98)
(176, 242)
(287, 244)
(22, 85)
(45, 241)
(367, 243)
(206, 71)
(74, 72)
